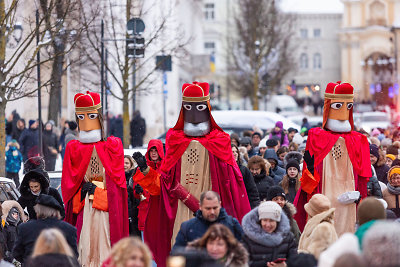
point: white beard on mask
(196, 129)
(92, 136)
(338, 126)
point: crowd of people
(271, 165)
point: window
(303, 61)
(317, 33)
(209, 48)
(303, 33)
(209, 11)
(317, 61)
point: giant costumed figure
(198, 158)
(93, 184)
(336, 160)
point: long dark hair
(239, 160)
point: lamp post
(39, 86)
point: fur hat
(381, 244)
(275, 191)
(317, 204)
(370, 209)
(269, 210)
(31, 122)
(293, 155)
(293, 163)
(374, 150)
(391, 156)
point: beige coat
(319, 233)
(389, 198)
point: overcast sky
(312, 6)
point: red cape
(319, 144)
(226, 179)
(76, 161)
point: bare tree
(17, 64)
(259, 48)
(115, 35)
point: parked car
(284, 105)
(8, 191)
(371, 120)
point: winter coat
(3, 242)
(117, 128)
(393, 202)
(265, 247)
(381, 170)
(132, 205)
(13, 158)
(278, 172)
(50, 149)
(263, 183)
(319, 233)
(251, 188)
(281, 136)
(197, 226)
(28, 233)
(28, 142)
(374, 189)
(235, 257)
(52, 259)
(138, 130)
(28, 200)
(290, 211)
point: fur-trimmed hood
(237, 256)
(252, 229)
(8, 205)
(38, 174)
(289, 207)
(293, 155)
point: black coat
(264, 247)
(28, 201)
(52, 259)
(3, 241)
(381, 172)
(196, 227)
(28, 142)
(133, 204)
(50, 142)
(263, 183)
(28, 233)
(251, 188)
(138, 130)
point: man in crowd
(28, 141)
(210, 212)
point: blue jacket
(13, 159)
(196, 227)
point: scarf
(393, 190)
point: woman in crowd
(221, 245)
(392, 192)
(36, 182)
(276, 194)
(132, 201)
(378, 161)
(267, 236)
(259, 171)
(51, 249)
(291, 180)
(129, 252)
(279, 134)
(319, 232)
(281, 153)
(251, 189)
(293, 146)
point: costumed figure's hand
(310, 161)
(87, 188)
(140, 160)
(138, 189)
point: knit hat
(317, 204)
(263, 143)
(275, 191)
(370, 209)
(381, 244)
(272, 142)
(391, 156)
(31, 122)
(269, 210)
(293, 163)
(72, 125)
(374, 150)
(279, 124)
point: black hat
(72, 125)
(256, 133)
(293, 163)
(245, 141)
(272, 142)
(275, 191)
(48, 201)
(374, 150)
(291, 129)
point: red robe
(319, 144)
(226, 180)
(76, 161)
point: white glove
(349, 197)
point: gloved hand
(309, 160)
(138, 189)
(140, 160)
(87, 188)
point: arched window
(303, 61)
(317, 61)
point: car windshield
(375, 118)
(7, 192)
